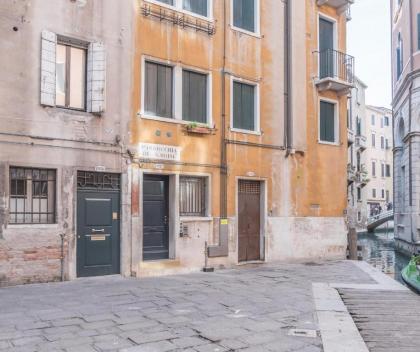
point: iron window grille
(91, 180)
(32, 196)
(192, 196)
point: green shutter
(194, 96)
(327, 122)
(243, 106)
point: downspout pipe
(288, 123)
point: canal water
(379, 251)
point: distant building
(379, 159)
(406, 121)
(357, 177)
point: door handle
(98, 230)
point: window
(402, 186)
(244, 106)
(373, 192)
(383, 193)
(372, 120)
(386, 143)
(200, 7)
(387, 196)
(192, 196)
(382, 122)
(382, 170)
(32, 196)
(359, 216)
(373, 140)
(359, 193)
(359, 126)
(158, 90)
(373, 169)
(418, 31)
(382, 142)
(386, 121)
(194, 96)
(327, 122)
(399, 56)
(388, 170)
(70, 87)
(245, 13)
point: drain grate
(303, 333)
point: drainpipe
(222, 249)
(62, 235)
(288, 122)
(410, 156)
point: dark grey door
(98, 233)
(327, 55)
(155, 217)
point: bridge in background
(377, 220)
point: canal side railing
(376, 220)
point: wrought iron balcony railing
(336, 65)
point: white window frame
(373, 138)
(178, 6)
(177, 70)
(257, 20)
(257, 124)
(336, 121)
(207, 180)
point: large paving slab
(251, 308)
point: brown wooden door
(249, 213)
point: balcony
(351, 174)
(350, 137)
(340, 5)
(336, 71)
(362, 178)
(361, 142)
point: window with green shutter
(158, 90)
(194, 96)
(244, 106)
(327, 122)
(244, 14)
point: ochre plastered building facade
(300, 181)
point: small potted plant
(194, 127)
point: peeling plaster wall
(48, 137)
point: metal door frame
(263, 215)
(73, 269)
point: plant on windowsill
(197, 128)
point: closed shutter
(197, 6)
(194, 96)
(158, 90)
(48, 52)
(96, 67)
(327, 122)
(243, 106)
(418, 31)
(399, 68)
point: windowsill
(176, 9)
(171, 120)
(39, 226)
(73, 111)
(195, 218)
(238, 130)
(333, 144)
(244, 31)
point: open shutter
(48, 50)
(96, 65)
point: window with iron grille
(192, 196)
(32, 196)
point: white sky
(369, 41)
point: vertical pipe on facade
(288, 123)
(410, 156)
(223, 158)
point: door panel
(155, 217)
(249, 220)
(98, 237)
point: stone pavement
(250, 308)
